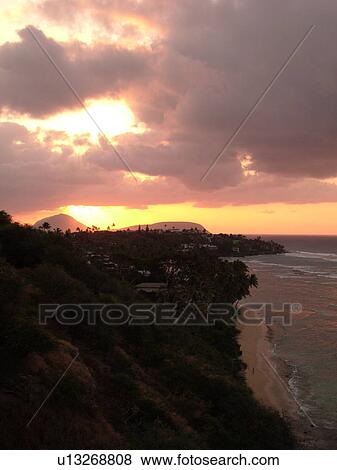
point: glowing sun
(113, 117)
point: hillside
(62, 221)
(129, 386)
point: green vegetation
(131, 386)
(147, 253)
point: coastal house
(152, 287)
(144, 272)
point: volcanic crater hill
(61, 221)
(178, 226)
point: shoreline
(269, 383)
(261, 377)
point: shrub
(70, 393)
(124, 387)
(57, 286)
(18, 338)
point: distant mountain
(169, 226)
(62, 221)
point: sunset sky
(169, 82)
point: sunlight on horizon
(254, 219)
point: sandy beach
(270, 386)
(261, 374)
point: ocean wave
(308, 270)
(264, 263)
(329, 275)
(279, 265)
(286, 276)
(295, 271)
(325, 274)
(294, 379)
(332, 257)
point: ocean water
(307, 275)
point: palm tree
(5, 218)
(45, 226)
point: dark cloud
(29, 83)
(207, 65)
(33, 175)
